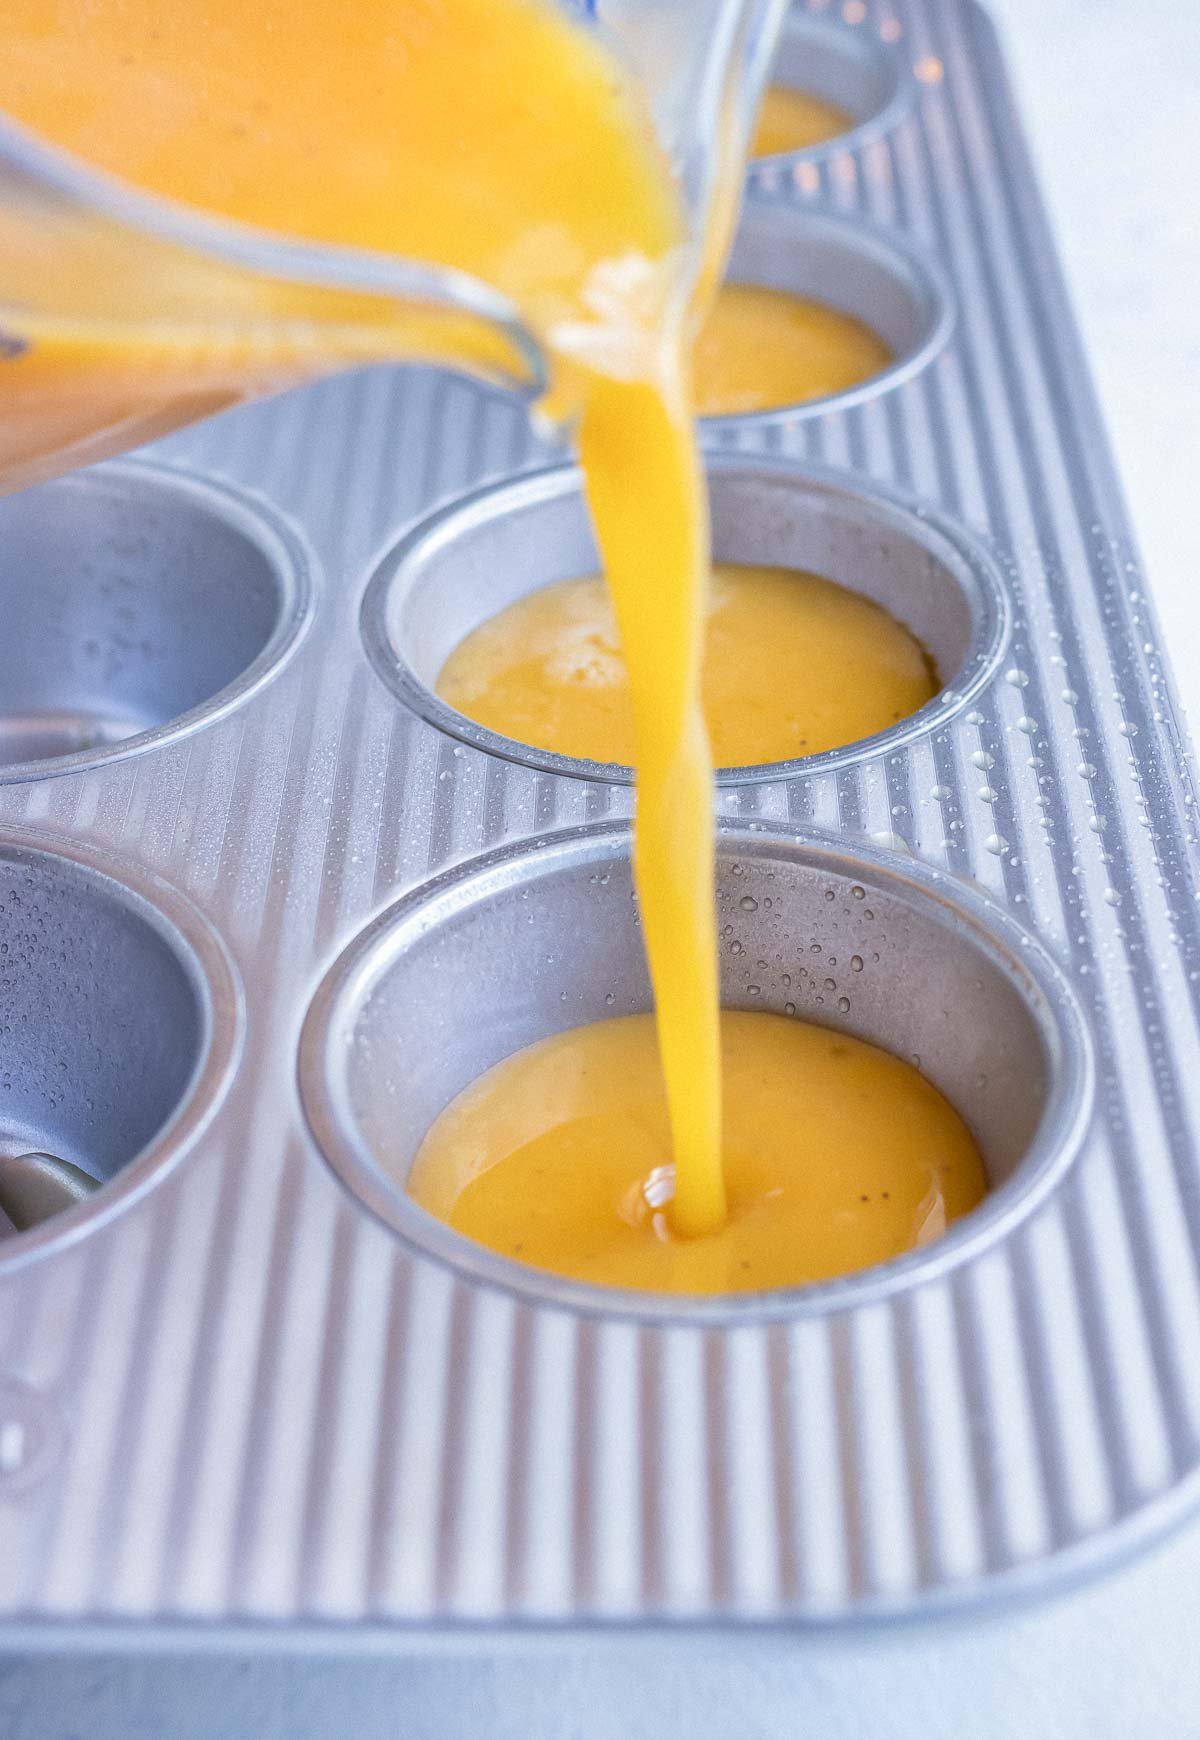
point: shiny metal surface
(119, 1024)
(273, 1414)
(487, 549)
(853, 267)
(138, 604)
(440, 989)
(35, 1187)
(861, 71)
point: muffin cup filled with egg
(839, 619)
(859, 972)
(815, 313)
(834, 81)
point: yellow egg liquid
(793, 664)
(792, 120)
(837, 1155)
(495, 136)
(760, 348)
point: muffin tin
(902, 959)
(137, 603)
(862, 72)
(487, 549)
(265, 904)
(855, 267)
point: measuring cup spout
(124, 315)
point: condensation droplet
(844, 1005)
(982, 760)
(856, 963)
(995, 843)
(1017, 677)
(748, 903)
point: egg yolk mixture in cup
(837, 1155)
(793, 664)
(500, 139)
(793, 120)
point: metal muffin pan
(250, 1407)
(484, 551)
(120, 1023)
(854, 268)
(137, 603)
(898, 958)
(859, 270)
(828, 55)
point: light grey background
(1109, 89)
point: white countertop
(1109, 93)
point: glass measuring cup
(123, 315)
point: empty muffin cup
(524, 943)
(139, 601)
(473, 559)
(120, 1022)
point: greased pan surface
(238, 1394)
